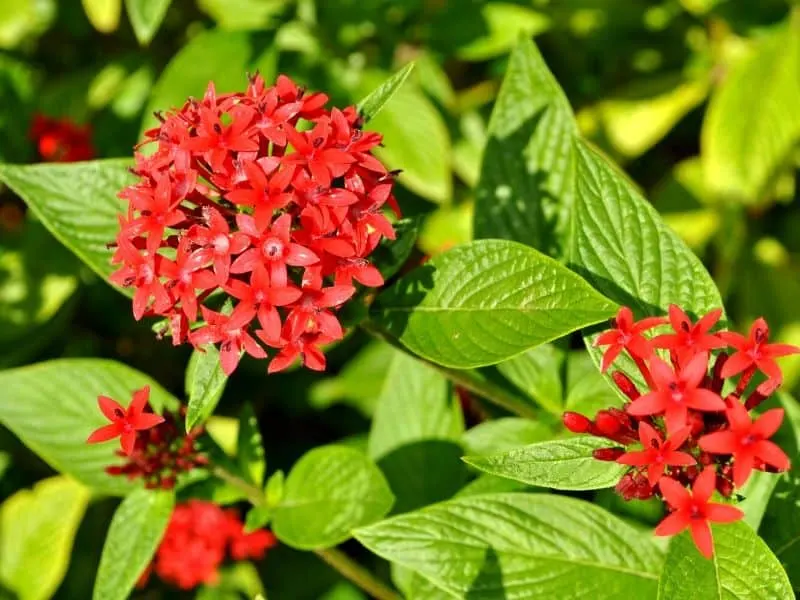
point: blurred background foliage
(696, 99)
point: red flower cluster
(241, 198)
(198, 537)
(690, 436)
(61, 140)
(156, 448)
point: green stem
(346, 566)
(469, 379)
(357, 574)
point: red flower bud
(576, 422)
(608, 454)
(625, 385)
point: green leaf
(757, 493)
(525, 189)
(146, 17)
(742, 568)
(77, 202)
(390, 255)
(205, 383)
(405, 122)
(133, 537)
(559, 464)
(329, 492)
(372, 104)
(587, 389)
(249, 447)
(257, 517)
(780, 526)
(752, 123)
(415, 433)
(485, 302)
(501, 435)
(223, 57)
(506, 24)
(489, 484)
(639, 116)
(235, 582)
(273, 491)
(537, 372)
(52, 408)
(531, 546)
(37, 529)
(103, 14)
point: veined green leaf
(559, 464)
(531, 546)
(375, 101)
(205, 383)
(485, 302)
(146, 17)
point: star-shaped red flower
(125, 423)
(693, 510)
(689, 338)
(747, 441)
(754, 351)
(676, 393)
(627, 336)
(658, 454)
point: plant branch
(346, 566)
(469, 379)
(357, 574)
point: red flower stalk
(199, 536)
(125, 422)
(161, 454)
(61, 140)
(683, 431)
(239, 200)
(694, 511)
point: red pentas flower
(693, 510)
(253, 221)
(679, 432)
(198, 538)
(125, 423)
(61, 140)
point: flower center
(749, 440)
(127, 427)
(272, 248)
(696, 512)
(676, 392)
(221, 244)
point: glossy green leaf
(52, 408)
(240, 580)
(249, 446)
(505, 24)
(103, 14)
(531, 546)
(205, 383)
(538, 372)
(486, 302)
(415, 434)
(752, 123)
(525, 189)
(257, 518)
(742, 568)
(780, 526)
(587, 389)
(501, 435)
(222, 56)
(405, 122)
(146, 17)
(559, 464)
(133, 537)
(37, 530)
(756, 495)
(329, 492)
(77, 202)
(372, 104)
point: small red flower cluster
(198, 537)
(241, 198)
(61, 140)
(689, 435)
(155, 448)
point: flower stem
(357, 574)
(469, 379)
(346, 566)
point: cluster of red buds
(61, 140)
(691, 428)
(199, 536)
(155, 448)
(252, 220)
